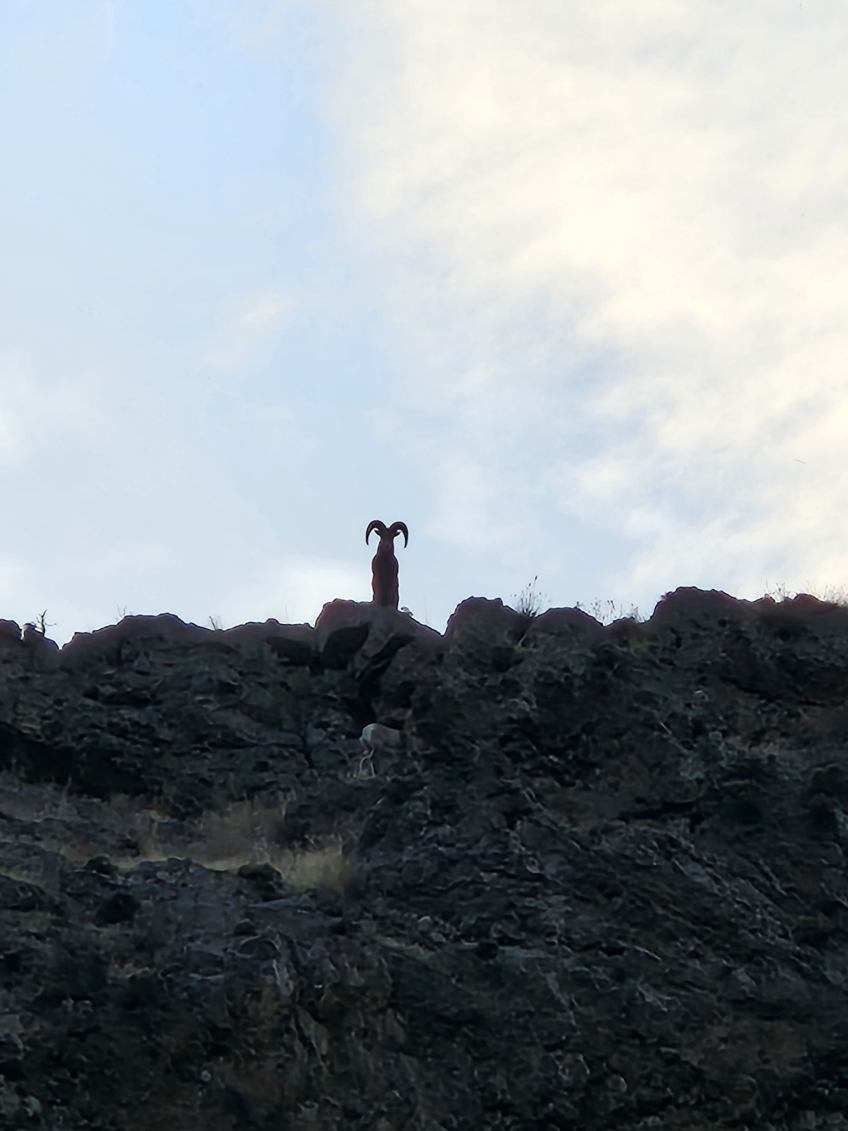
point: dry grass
(305, 869)
(325, 867)
(838, 595)
(246, 832)
(608, 611)
(528, 602)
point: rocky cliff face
(598, 882)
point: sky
(561, 285)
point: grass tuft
(528, 602)
(608, 611)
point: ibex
(384, 565)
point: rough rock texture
(600, 884)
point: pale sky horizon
(561, 286)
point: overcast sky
(562, 285)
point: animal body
(384, 564)
(376, 737)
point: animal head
(387, 533)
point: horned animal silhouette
(384, 564)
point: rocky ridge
(598, 882)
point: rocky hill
(596, 882)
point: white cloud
(13, 573)
(38, 413)
(293, 590)
(108, 11)
(248, 327)
(615, 245)
(264, 313)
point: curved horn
(400, 528)
(375, 524)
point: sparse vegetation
(608, 611)
(246, 832)
(325, 866)
(528, 602)
(838, 595)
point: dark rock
(628, 629)
(293, 643)
(341, 629)
(10, 631)
(484, 617)
(368, 634)
(708, 608)
(566, 623)
(600, 884)
(107, 642)
(118, 908)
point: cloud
(108, 11)
(248, 328)
(293, 590)
(264, 313)
(38, 413)
(13, 573)
(615, 252)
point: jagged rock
(566, 623)
(341, 629)
(294, 643)
(708, 608)
(628, 629)
(366, 633)
(484, 617)
(802, 613)
(10, 631)
(596, 885)
(108, 641)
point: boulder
(626, 629)
(341, 629)
(161, 627)
(367, 634)
(484, 618)
(10, 632)
(567, 623)
(702, 608)
(294, 643)
(802, 612)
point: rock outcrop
(599, 884)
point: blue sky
(559, 285)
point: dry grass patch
(246, 832)
(324, 867)
(304, 869)
(608, 611)
(835, 594)
(528, 603)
